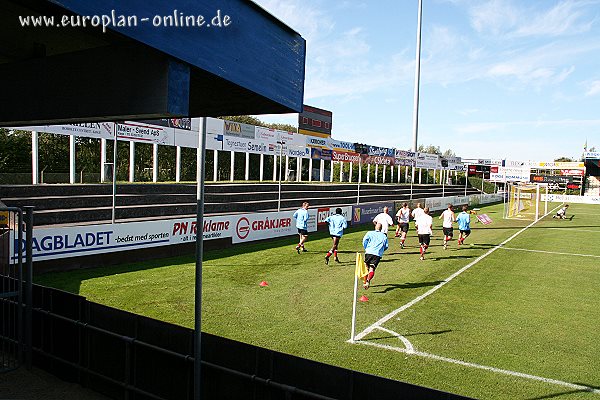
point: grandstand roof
(64, 74)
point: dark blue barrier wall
(127, 356)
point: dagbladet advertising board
(365, 213)
(76, 241)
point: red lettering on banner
(322, 214)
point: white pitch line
(411, 303)
(485, 367)
(407, 344)
(551, 252)
(575, 230)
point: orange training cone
(263, 284)
(363, 298)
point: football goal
(525, 201)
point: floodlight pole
(417, 81)
(199, 253)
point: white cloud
(509, 19)
(594, 89)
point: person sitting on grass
(562, 213)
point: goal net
(525, 201)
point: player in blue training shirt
(464, 224)
(337, 224)
(301, 216)
(375, 243)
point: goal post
(525, 201)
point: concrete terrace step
(65, 204)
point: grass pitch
(517, 321)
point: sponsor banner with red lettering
(250, 227)
(380, 160)
(76, 241)
(572, 172)
(345, 156)
(324, 212)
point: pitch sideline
(397, 311)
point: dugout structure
(525, 201)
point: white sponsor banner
(341, 145)
(324, 212)
(293, 139)
(214, 134)
(441, 203)
(429, 161)
(76, 241)
(591, 154)
(94, 130)
(568, 198)
(511, 174)
(314, 141)
(267, 134)
(292, 151)
(244, 145)
(250, 227)
(405, 158)
(145, 133)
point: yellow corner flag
(361, 270)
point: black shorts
(403, 226)
(448, 231)
(335, 236)
(466, 232)
(372, 260)
(424, 239)
(303, 232)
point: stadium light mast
(417, 80)
(417, 84)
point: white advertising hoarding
(429, 161)
(511, 174)
(94, 130)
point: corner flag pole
(354, 307)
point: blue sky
(507, 79)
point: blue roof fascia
(255, 50)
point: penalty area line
(482, 367)
(551, 252)
(397, 311)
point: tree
(15, 151)
(563, 159)
(430, 149)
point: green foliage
(15, 151)
(475, 182)
(564, 159)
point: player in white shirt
(384, 219)
(417, 212)
(402, 216)
(449, 218)
(424, 224)
(562, 213)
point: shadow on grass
(71, 280)
(408, 285)
(409, 334)
(568, 392)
